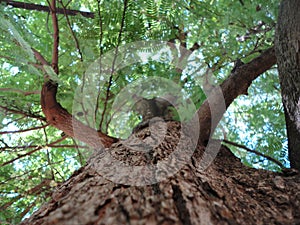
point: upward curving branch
(55, 114)
(211, 111)
(60, 118)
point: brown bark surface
(288, 55)
(227, 192)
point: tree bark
(227, 192)
(288, 56)
(108, 190)
(176, 191)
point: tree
(163, 171)
(288, 65)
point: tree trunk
(227, 192)
(144, 180)
(288, 59)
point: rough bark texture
(288, 56)
(170, 185)
(227, 192)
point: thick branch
(212, 110)
(30, 6)
(60, 118)
(57, 116)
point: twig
(37, 92)
(39, 57)
(32, 151)
(125, 5)
(55, 37)
(22, 113)
(72, 32)
(100, 58)
(255, 152)
(25, 130)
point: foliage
(256, 121)
(35, 157)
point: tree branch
(55, 37)
(26, 114)
(37, 92)
(59, 117)
(39, 57)
(36, 148)
(25, 130)
(255, 152)
(21, 156)
(72, 32)
(30, 6)
(125, 6)
(213, 108)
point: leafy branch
(36, 148)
